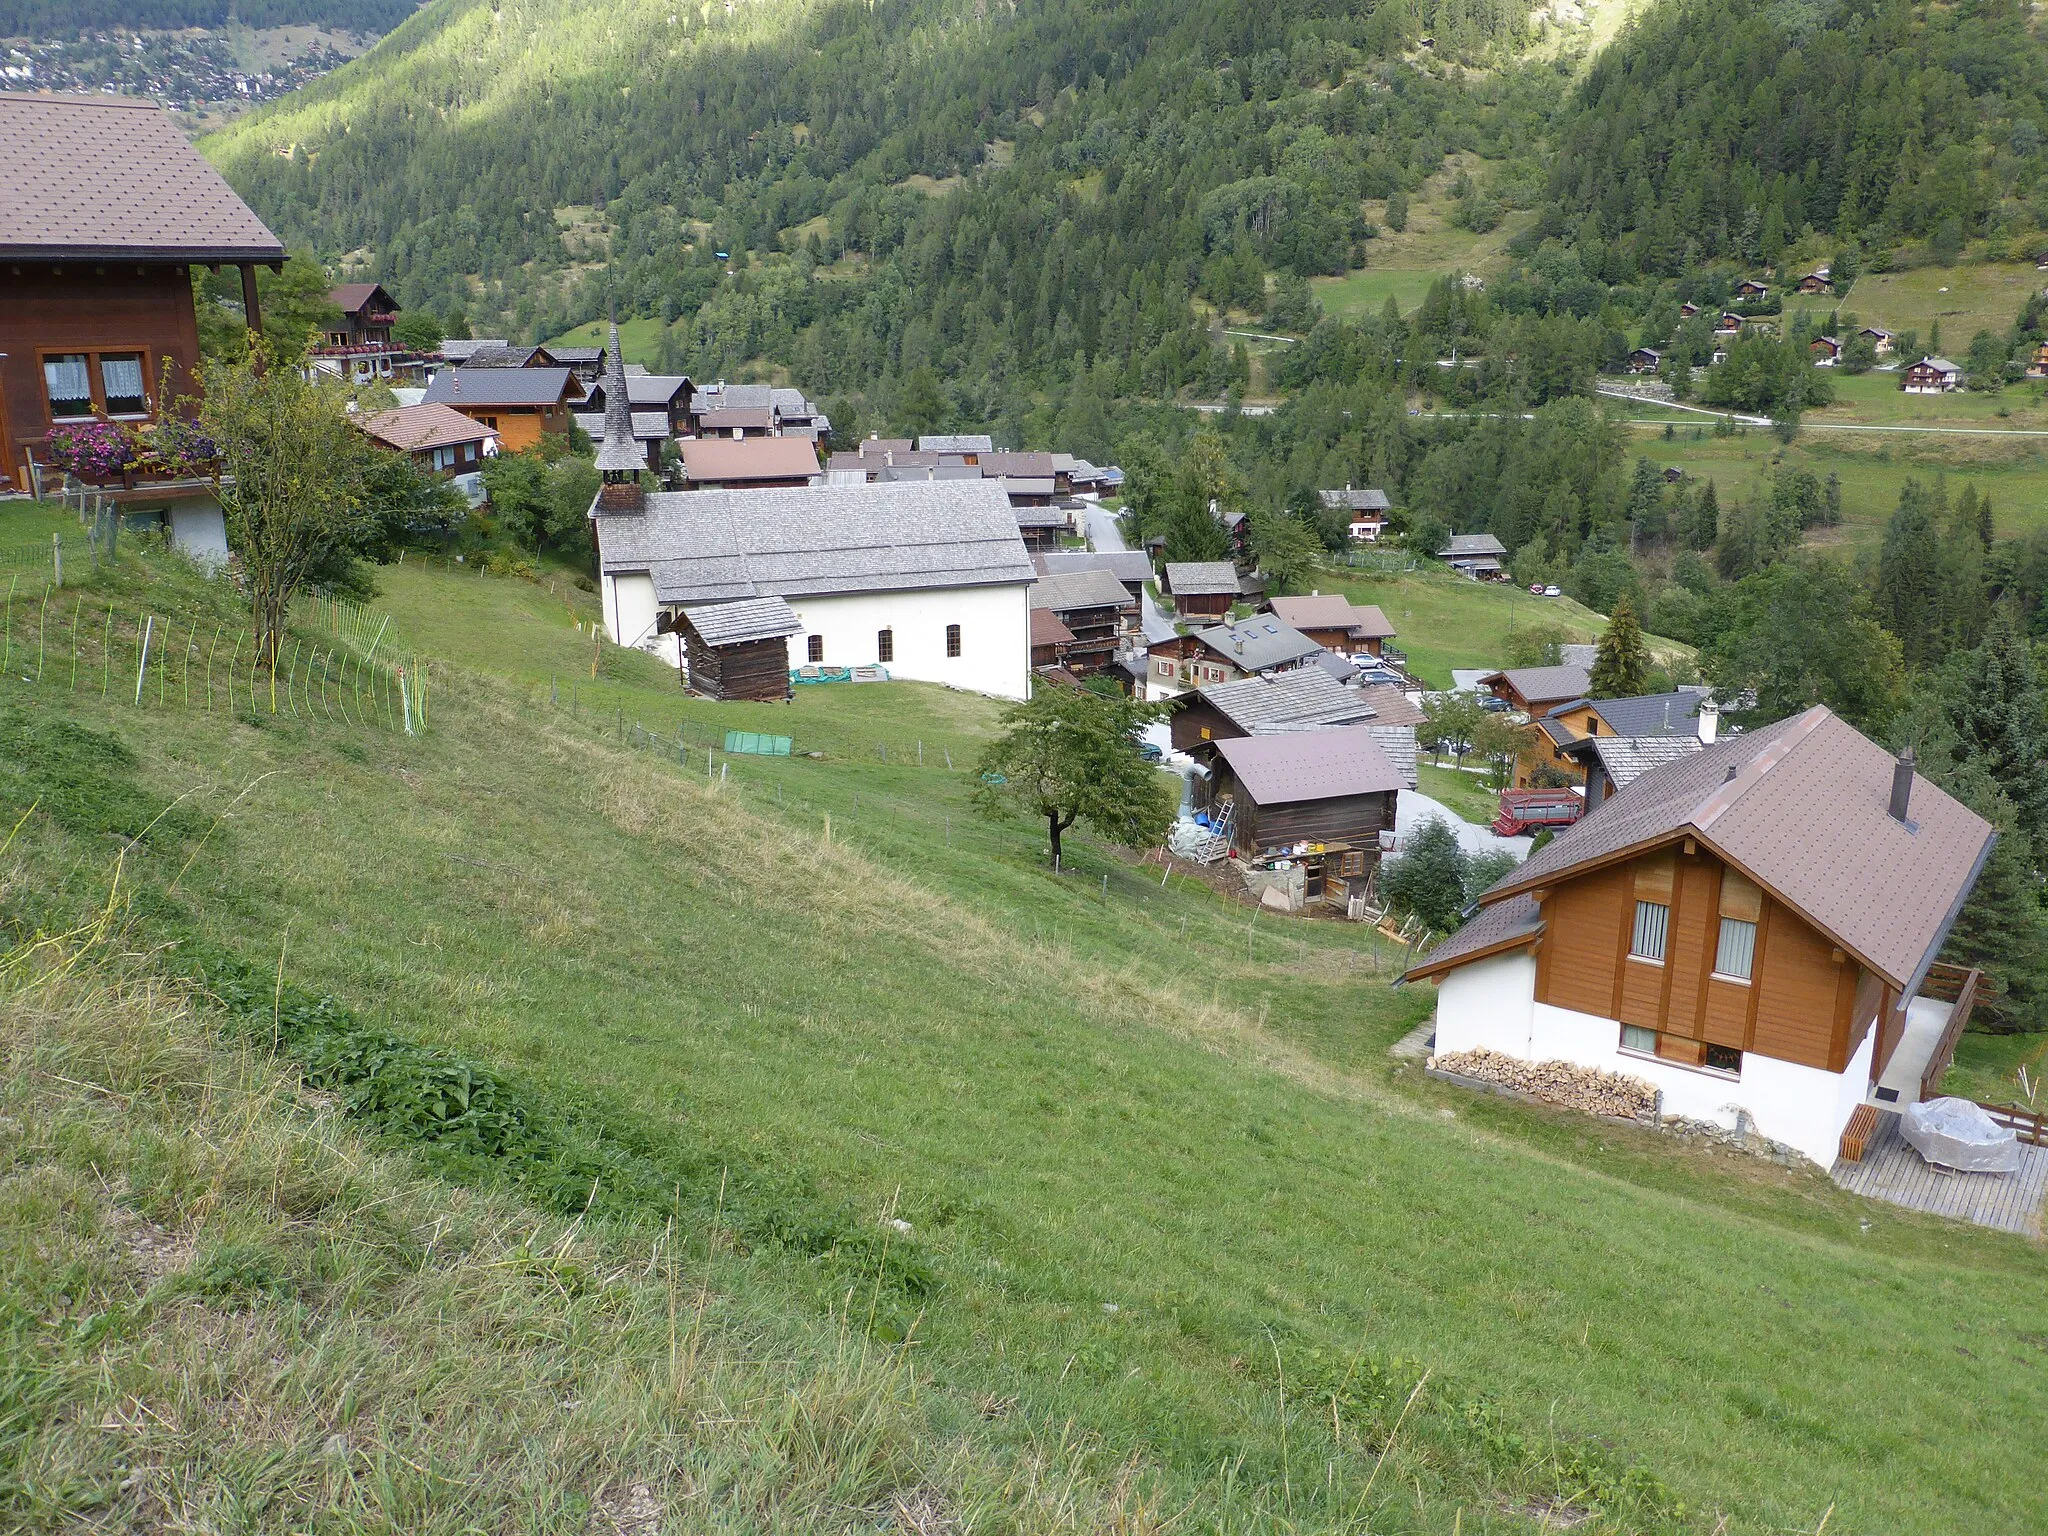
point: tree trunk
(1057, 826)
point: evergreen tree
(1909, 591)
(1992, 700)
(1999, 930)
(1702, 524)
(1621, 668)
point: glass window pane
(121, 376)
(1737, 949)
(1636, 1038)
(1651, 917)
(885, 645)
(69, 385)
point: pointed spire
(619, 457)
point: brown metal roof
(1802, 808)
(87, 176)
(748, 458)
(1505, 925)
(1311, 765)
(1046, 628)
(349, 298)
(1333, 610)
(415, 428)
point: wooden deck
(1893, 1172)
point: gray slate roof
(814, 541)
(753, 618)
(648, 426)
(1306, 696)
(619, 450)
(1624, 759)
(1129, 566)
(956, 442)
(84, 176)
(1257, 643)
(1310, 765)
(1071, 590)
(1467, 545)
(647, 389)
(1356, 501)
(1201, 578)
(498, 386)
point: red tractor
(1524, 810)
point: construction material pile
(1557, 1082)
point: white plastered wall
(995, 635)
(1490, 1003)
(631, 616)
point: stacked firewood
(1558, 1082)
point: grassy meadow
(1963, 299)
(1466, 795)
(639, 338)
(1190, 1239)
(1404, 263)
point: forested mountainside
(993, 190)
(68, 18)
(1723, 128)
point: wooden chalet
(1730, 324)
(1932, 376)
(1749, 929)
(436, 437)
(672, 394)
(1750, 291)
(1819, 280)
(1880, 339)
(2037, 365)
(1644, 360)
(1538, 690)
(1202, 589)
(1478, 555)
(1366, 510)
(1826, 351)
(1547, 759)
(521, 405)
(1687, 311)
(712, 463)
(1334, 622)
(1050, 640)
(1253, 647)
(105, 208)
(1094, 608)
(367, 314)
(1129, 566)
(1307, 699)
(1320, 796)
(737, 650)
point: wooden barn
(1304, 789)
(739, 650)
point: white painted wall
(1490, 1004)
(995, 635)
(995, 632)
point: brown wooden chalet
(1826, 351)
(1750, 291)
(1094, 608)
(105, 208)
(1307, 699)
(1932, 376)
(1538, 690)
(367, 314)
(1302, 788)
(1334, 622)
(672, 394)
(1819, 280)
(1751, 928)
(737, 650)
(1202, 589)
(1687, 311)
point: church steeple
(619, 458)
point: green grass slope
(1170, 1210)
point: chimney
(1902, 786)
(1709, 721)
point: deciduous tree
(1070, 755)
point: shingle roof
(1031, 466)
(1046, 628)
(499, 386)
(1805, 815)
(618, 450)
(1071, 590)
(1624, 759)
(882, 445)
(1201, 578)
(1310, 765)
(957, 442)
(748, 458)
(460, 349)
(85, 176)
(1028, 517)
(1939, 364)
(753, 618)
(1504, 925)
(1545, 684)
(1390, 706)
(648, 426)
(1256, 643)
(1302, 697)
(502, 354)
(720, 545)
(350, 297)
(412, 428)
(728, 417)
(1356, 501)
(1468, 544)
(1127, 565)
(1653, 714)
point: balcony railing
(1958, 987)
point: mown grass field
(1984, 296)
(1172, 1195)
(639, 338)
(1873, 469)
(1465, 795)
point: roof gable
(531, 387)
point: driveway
(1107, 537)
(1414, 808)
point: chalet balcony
(1935, 1021)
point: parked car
(1536, 588)
(1553, 592)
(1149, 751)
(1492, 704)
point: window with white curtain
(69, 384)
(1648, 940)
(121, 378)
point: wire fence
(51, 637)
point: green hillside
(1179, 1240)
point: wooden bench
(1857, 1133)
